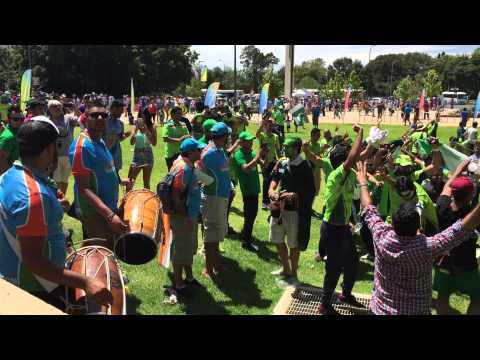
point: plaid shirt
(403, 266)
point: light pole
(369, 54)
(219, 60)
(391, 73)
(235, 72)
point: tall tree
(256, 64)
(432, 83)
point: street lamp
(219, 60)
(391, 74)
(369, 54)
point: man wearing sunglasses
(8, 139)
(96, 181)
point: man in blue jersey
(214, 162)
(96, 181)
(32, 241)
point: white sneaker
(283, 283)
(278, 272)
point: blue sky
(212, 54)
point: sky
(213, 55)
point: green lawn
(247, 286)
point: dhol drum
(142, 209)
(97, 262)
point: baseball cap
(190, 144)
(462, 185)
(220, 129)
(208, 124)
(245, 135)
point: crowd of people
(412, 212)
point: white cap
(53, 103)
(46, 120)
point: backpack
(164, 192)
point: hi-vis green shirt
(339, 196)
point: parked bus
(458, 97)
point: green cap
(403, 160)
(245, 135)
(208, 124)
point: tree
(407, 89)
(256, 64)
(313, 69)
(334, 88)
(355, 83)
(194, 89)
(276, 83)
(432, 83)
(307, 82)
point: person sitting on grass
(404, 257)
(291, 208)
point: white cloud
(211, 54)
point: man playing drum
(96, 181)
(32, 241)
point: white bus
(225, 94)
(458, 97)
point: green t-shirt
(279, 117)
(8, 143)
(316, 148)
(173, 130)
(429, 212)
(273, 144)
(326, 166)
(203, 140)
(339, 196)
(249, 180)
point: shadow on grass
(236, 211)
(364, 271)
(133, 304)
(239, 285)
(201, 302)
(265, 252)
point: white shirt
(472, 134)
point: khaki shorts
(214, 215)
(289, 227)
(184, 242)
(63, 171)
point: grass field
(246, 287)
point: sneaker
(278, 272)
(283, 283)
(350, 300)
(250, 247)
(326, 309)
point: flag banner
(451, 157)
(211, 95)
(347, 99)
(165, 245)
(25, 88)
(132, 97)
(422, 100)
(203, 76)
(297, 110)
(263, 98)
(477, 106)
(424, 148)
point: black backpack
(164, 192)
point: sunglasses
(95, 115)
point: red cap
(463, 185)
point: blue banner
(477, 106)
(263, 98)
(211, 96)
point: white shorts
(288, 227)
(63, 171)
